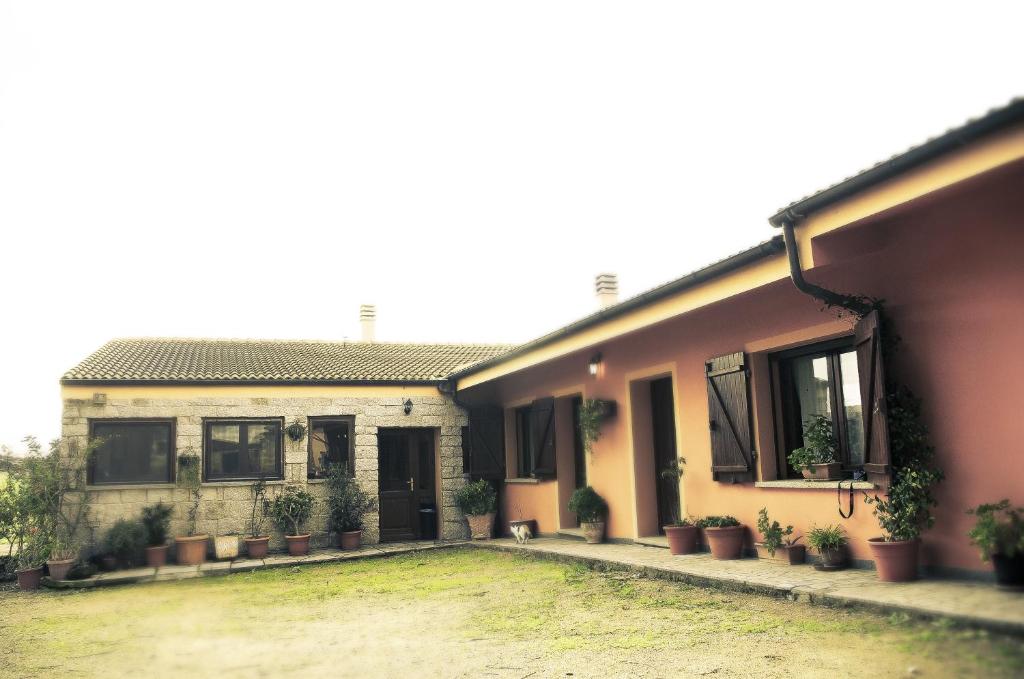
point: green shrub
(291, 509)
(125, 540)
(347, 502)
(826, 538)
(588, 506)
(773, 534)
(718, 522)
(998, 530)
(476, 499)
(156, 522)
(820, 444)
(190, 477)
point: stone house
(379, 408)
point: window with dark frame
(241, 450)
(524, 443)
(330, 443)
(821, 379)
(132, 452)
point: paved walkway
(176, 572)
(976, 604)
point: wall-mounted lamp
(407, 406)
(595, 364)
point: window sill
(316, 480)
(130, 486)
(248, 482)
(526, 481)
(808, 484)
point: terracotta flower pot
(29, 578)
(726, 543)
(59, 568)
(350, 539)
(791, 555)
(895, 561)
(156, 556)
(1009, 571)
(298, 545)
(593, 531)
(823, 472)
(681, 539)
(481, 526)
(190, 550)
(256, 548)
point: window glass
(811, 380)
(132, 452)
(243, 450)
(328, 445)
(852, 407)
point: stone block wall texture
(226, 506)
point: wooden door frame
(409, 433)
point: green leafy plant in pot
(724, 535)
(347, 505)
(478, 502)
(777, 540)
(818, 458)
(257, 542)
(999, 534)
(125, 540)
(190, 549)
(680, 531)
(156, 524)
(290, 511)
(830, 544)
(591, 510)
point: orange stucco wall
(949, 269)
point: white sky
(257, 169)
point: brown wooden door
(663, 427)
(406, 477)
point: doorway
(406, 473)
(663, 441)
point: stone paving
(973, 603)
(176, 572)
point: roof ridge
(265, 340)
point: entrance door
(663, 428)
(406, 473)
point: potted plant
(256, 544)
(63, 555)
(156, 524)
(125, 541)
(478, 502)
(290, 511)
(190, 549)
(777, 539)
(680, 531)
(347, 504)
(830, 544)
(999, 534)
(724, 535)
(591, 509)
(817, 459)
(32, 554)
(296, 430)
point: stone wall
(226, 506)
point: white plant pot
(225, 547)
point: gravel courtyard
(468, 613)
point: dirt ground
(468, 613)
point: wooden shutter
(868, 341)
(542, 427)
(486, 443)
(732, 454)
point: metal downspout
(830, 298)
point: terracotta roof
(157, 360)
(994, 121)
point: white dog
(521, 532)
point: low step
(653, 541)
(571, 533)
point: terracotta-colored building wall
(948, 267)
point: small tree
(156, 523)
(347, 502)
(291, 509)
(673, 472)
(587, 505)
(476, 499)
(260, 507)
(190, 478)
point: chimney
(368, 319)
(607, 287)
